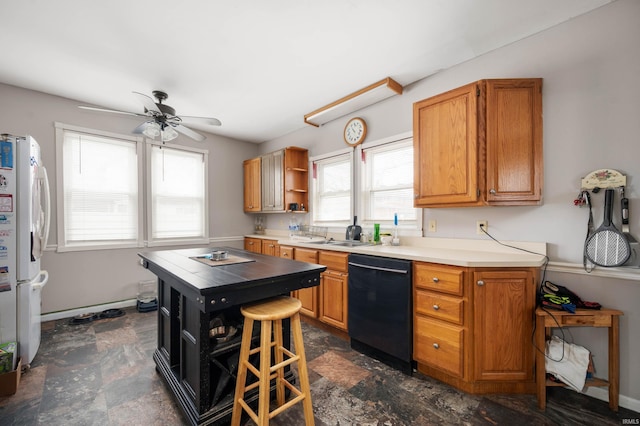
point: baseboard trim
(87, 310)
(624, 401)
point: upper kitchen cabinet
(480, 144)
(296, 178)
(277, 182)
(252, 185)
(272, 181)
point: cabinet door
(252, 186)
(514, 141)
(271, 248)
(272, 181)
(333, 299)
(308, 296)
(504, 302)
(253, 244)
(445, 132)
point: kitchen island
(199, 320)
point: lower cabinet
(253, 244)
(473, 326)
(308, 296)
(328, 302)
(333, 303)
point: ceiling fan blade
(148, 102)
(188, 132)
(201, 120)
(114, 111)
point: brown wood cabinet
(296, 178)
(271, 247)
(253, 244)
(308, 296)
(473, 326)
(333, 303)
(480, 144)
(275, 181)
(252, 185)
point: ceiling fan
(162, 119)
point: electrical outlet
(432, 225)
(480, 225)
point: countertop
(448, 251)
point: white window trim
(357, 206)
(175, 241)
(359, 199)
(335, 226)
(60, 229)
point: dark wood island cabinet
(196, 294)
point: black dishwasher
(380, 323)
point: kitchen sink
(341, 243)
(349, 243)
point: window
(102, 181)
(373, 188)
(100, 202)
(177, 194)
(332, 195)
(387, 184)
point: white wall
(79, 279)
(591, 106)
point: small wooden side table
(545, 321)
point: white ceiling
(256, 65)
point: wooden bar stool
(270, 313)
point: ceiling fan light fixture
(152, 130)
(169, 134)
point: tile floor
(102, 373)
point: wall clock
(355, 131)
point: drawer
(306, 255)
(439, 306)
(335, 261)
(438, 344)
(438, 278)
(286, 252)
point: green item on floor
(7, 357)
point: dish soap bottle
(395, 241)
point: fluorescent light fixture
(355, 101)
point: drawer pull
(436, 279)
(437, 346)
(436, 307)
(480, 283)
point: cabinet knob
(437, 346)
(492, 191)
(436, 279)
(436, 307)
(480, 283)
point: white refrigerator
(24, 227)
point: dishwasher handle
(378, 268)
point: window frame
(339, 224)
(413, 228)
(407, 228)
(144, 217)
(62, 245)
(155, 242)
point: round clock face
(355, 131)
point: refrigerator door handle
(47, 212)
(44, 278)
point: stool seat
(273, 309)
(270, 313)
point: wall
(591, 106)
(87, 278)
